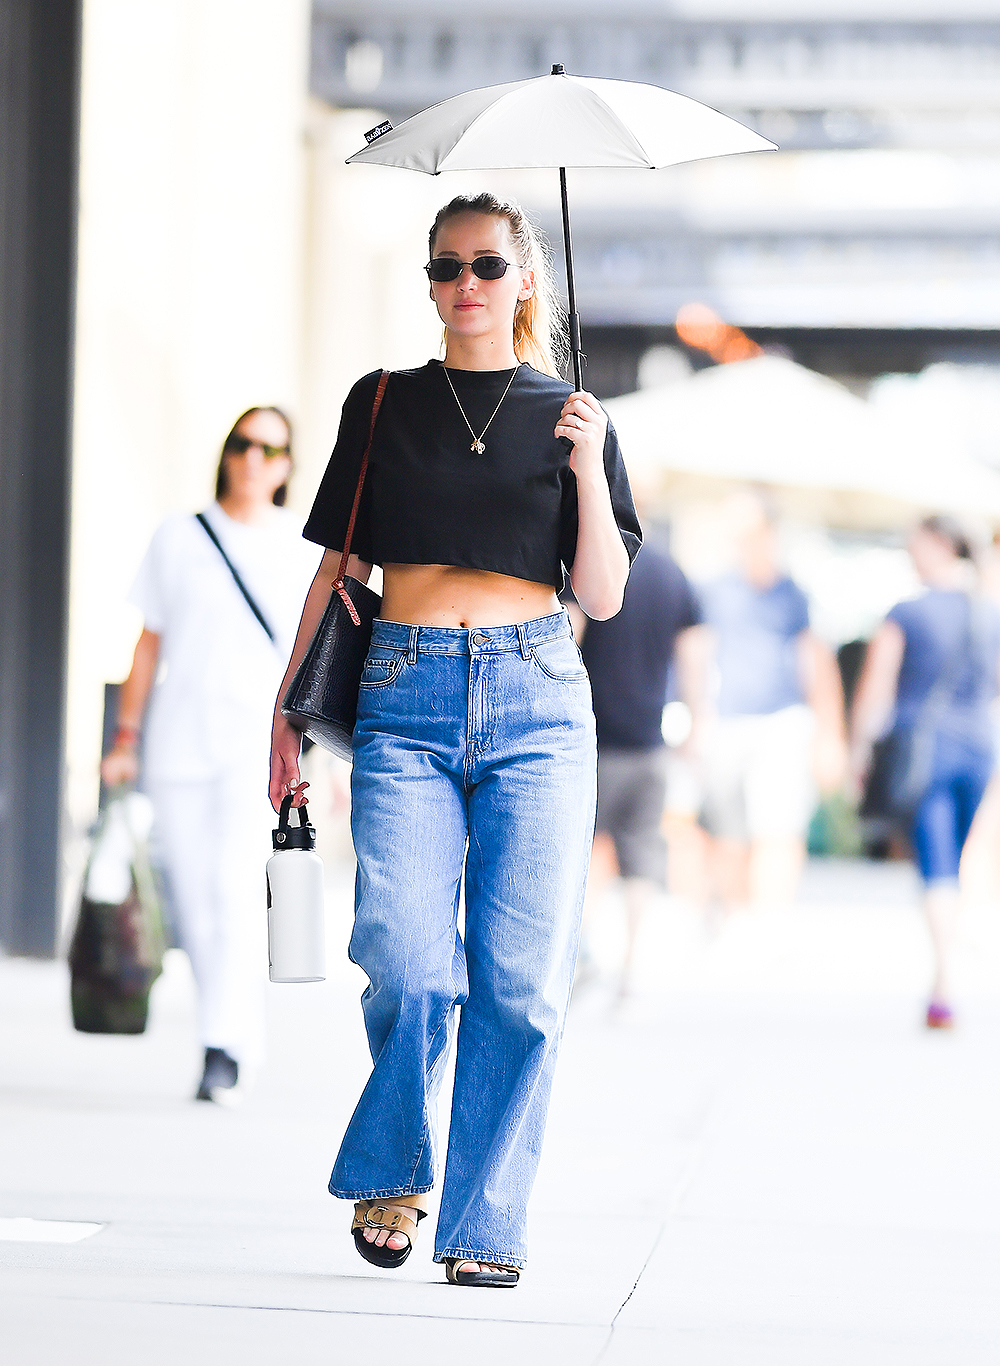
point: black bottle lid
(301, 836)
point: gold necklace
(477, 441)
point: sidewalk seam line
(311, 1309)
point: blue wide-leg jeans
(474, 755)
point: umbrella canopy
(771, 420)
(560, 121)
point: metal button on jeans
(479, 638)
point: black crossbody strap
(200, 516)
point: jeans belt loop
(522, 640)
(414, 637)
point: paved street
(760, 1157)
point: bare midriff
(443, 595)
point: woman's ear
(527, 284)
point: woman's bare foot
(461, 1272)
(384, 1237)
(381, 1237)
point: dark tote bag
(117, 949)
(322, 700)
(903, 761)
(898, 776)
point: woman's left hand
(584, 422)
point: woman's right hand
(286, 745)
(120, 765)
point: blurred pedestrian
(474, 753)
(208, 671)
(628, 657)
(927, 685)
(768, 720)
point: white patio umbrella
(560, 121)
(771, 420)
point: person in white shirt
(208, 670)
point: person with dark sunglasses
(443, 269)
(197, 705)
(474, 749)
(237, 444)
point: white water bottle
(295, 915)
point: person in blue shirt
(931, 674)
(769, 720)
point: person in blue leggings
(932, 669)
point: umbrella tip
(558, 69)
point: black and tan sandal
(489, 1273)
(385, 1214)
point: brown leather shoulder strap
(338, 582)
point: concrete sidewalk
(760, 1158)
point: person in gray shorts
(632, 789)
(628, 658)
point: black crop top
(429, 499)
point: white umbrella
(771, 420)
(560, 121)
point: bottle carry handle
(289, 837)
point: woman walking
(928, 681)
(474, 750)
(208, 670)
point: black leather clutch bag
(322, 700)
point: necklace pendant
(478, 447)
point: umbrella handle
(575, 340)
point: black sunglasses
(239, 445)
(444, 268)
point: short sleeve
(798, 610)
(688, 607)
(326, 524)
(899, 614)
(147, 591)
(621, 503)
(621, 494)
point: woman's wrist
(126, 737)
(592, 481)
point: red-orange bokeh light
(699, 327)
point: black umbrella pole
(575, 340)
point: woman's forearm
(136, 688)
(875, 693)
(601, 565)
(121, 763)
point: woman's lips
(464, 307)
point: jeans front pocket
(560, 659)
(381, 667)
